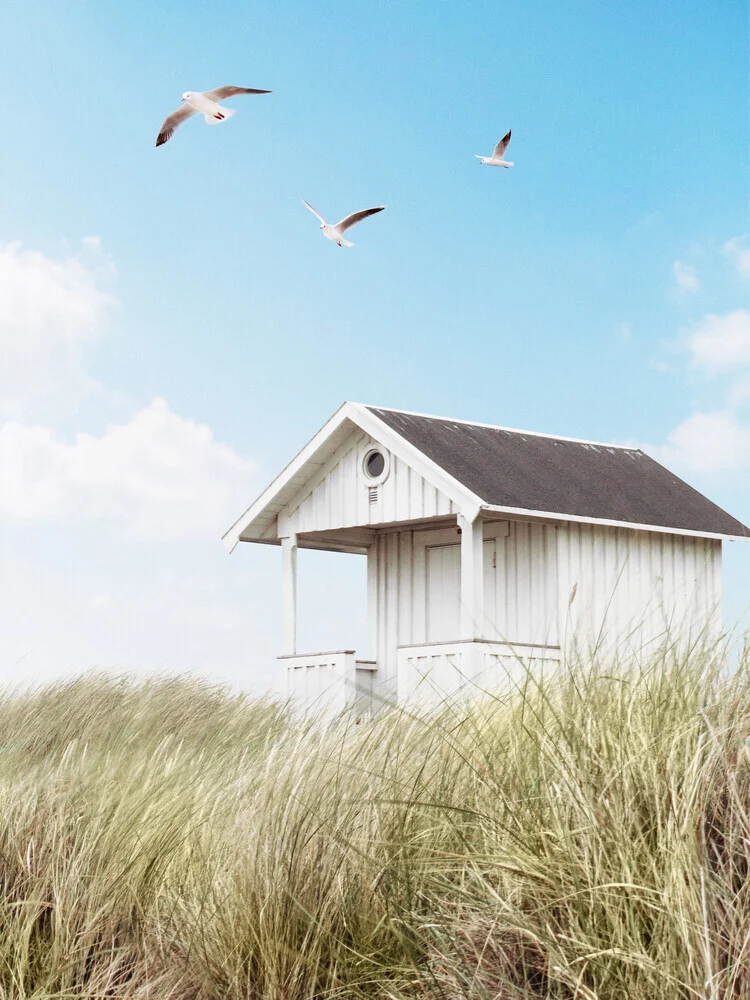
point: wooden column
(373, 611)
(472, 577)
(289, 595)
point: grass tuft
(585, 837)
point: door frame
(423, 539)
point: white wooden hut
(486, 548)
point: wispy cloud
(157, 474)
(739, 392)
(715, 441)
(624, 333)
(721, 343)
(706, 444)
(686, 277)
(49, 308)
(738, 251)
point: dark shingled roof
(516, 469)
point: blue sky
(175, 327)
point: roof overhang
(543, 515)
(256, 524)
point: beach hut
(488, 550)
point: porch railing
(431, 672)
(330, 681)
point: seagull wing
(355, 217)
(221, 93)
(502, 146)
(308, 205)
(172, 121)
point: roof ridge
(498, 427)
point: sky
(173, 327)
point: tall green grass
(588, 837)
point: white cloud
(720, 343)
(48, 309)
(715, 443)
(686, 277)
(738, 251)
(739, 392)
(706, 444)
(157, 475)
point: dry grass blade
(588, 837)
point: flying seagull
(207, 104)
(496, 160)
(336, 233)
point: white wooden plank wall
(520, 586)
(629, 587)
(624, 591)
(393, 617)
(339, 496)
(521, 589)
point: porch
(452, 603)
(428, 674)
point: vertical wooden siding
(520, 585)
(623, 590)
(520, 597)
(339, 498)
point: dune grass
(588, 838)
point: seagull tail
(221, 115)
(346, 243)
(508, 163)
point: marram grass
(585, 839)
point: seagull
(336, 233)
(207, 104)
(496, 160)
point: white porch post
(472, 577)
(373, 612)
(289, 594)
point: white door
(443, 565)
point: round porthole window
(375, 466)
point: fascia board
(609, 523)
(232, 536)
